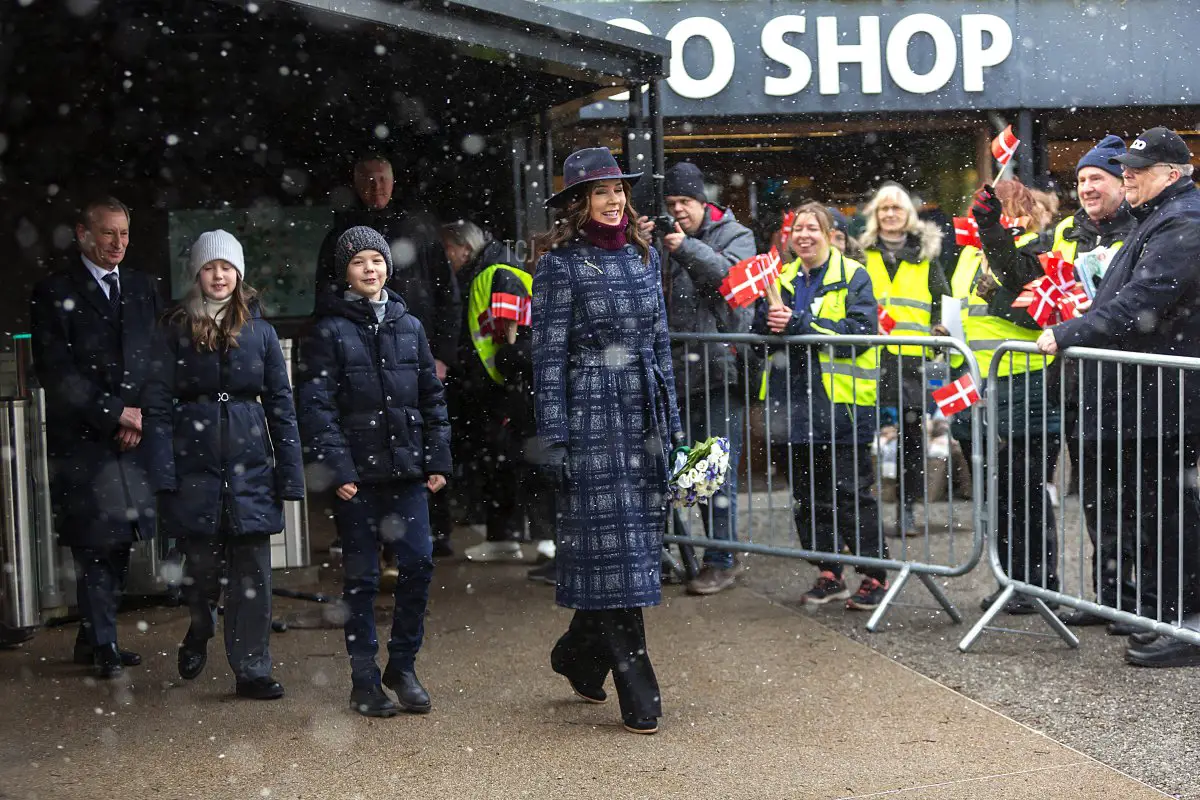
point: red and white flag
(957, 396)
(1047, 300)
(966, 232)
(1062, 272)
(507, 306)
(1004, 146)
(487, 324)
(748, 280)
(789, 219)
(886, 323)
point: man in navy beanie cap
(706, 243)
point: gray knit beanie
(353, 242)
(214, 245)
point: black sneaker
(828, 587)
(869, 595)
(547, 573)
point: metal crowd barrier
(715, 401)
(1126, 546)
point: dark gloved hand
(986, 209)
(986, 285)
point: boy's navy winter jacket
(220, 431)
(372, 409)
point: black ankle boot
(192, 658)
(410, 694)
(371, 701)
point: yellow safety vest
(480, 300)
(983, 331)
(905, 297)
(1069, 248)
(846, 380)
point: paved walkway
(760, 703)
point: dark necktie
(114, 292)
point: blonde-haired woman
(224, 453)
(901, 255)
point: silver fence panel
(1106, 547)
(20, 596)
(709, 393)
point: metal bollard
(19, 601)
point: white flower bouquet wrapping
(696, 476)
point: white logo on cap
(1138, 144)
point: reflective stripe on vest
(846, 380)
(480, 300)
(984, 332)
(905, 297)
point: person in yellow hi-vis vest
(821, 399)
(989, 282)
(901, 255)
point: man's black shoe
(371, 701)
(410, 694)
(1141, 638)
(1082, 619)
(1165, 651)
(264, 688)
(1121, 629)
(86, 657)
(107, 662)
(192, 658)
(987, 602)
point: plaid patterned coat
(604, 386)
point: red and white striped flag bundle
(1045, 303)
(511, 306)
(1062, 273)
(748, 280)
(1055, 297)
(957, 396)
(886, 323)
(966, 231)
(1005, 146)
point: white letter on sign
(831, 55)
(798, 64)
(945, 53)
(721, 43)
(975, 56)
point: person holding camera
(700, 241)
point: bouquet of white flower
(697, 475)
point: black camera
(663, 225)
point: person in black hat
(1148, 302)
(604, 394)
(840, 236)
(706, 243)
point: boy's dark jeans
(396, 513)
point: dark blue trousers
(100, 574)
(397, 514)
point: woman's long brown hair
(207, 334)
(569, 221)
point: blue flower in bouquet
(696, 476)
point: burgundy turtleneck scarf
(606, 237)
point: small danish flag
(886, 323)
(789, 219)
(966, 232)
(1005, 146)
(957, 396)
(1047, 300)
(748, 280)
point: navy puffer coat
(372, 409)
(220, 431)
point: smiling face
(104, 239)
(892, 218)
(217, 279)
(606, 202)
(1100, 192)
(809, 242)
(1143, 184)
(367, 273)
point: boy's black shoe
(264, 688)
(84, 656)
(410, 694)
(192, 658)
(371, 701)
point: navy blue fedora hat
(587, 165)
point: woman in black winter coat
(224, 454)
(373, 415)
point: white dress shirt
(99, 272)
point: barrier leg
(893, 590)
(941, 597)
(986, 619)
(1055, 623)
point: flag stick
(774, 298)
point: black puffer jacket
(220, 430)
(372, 409)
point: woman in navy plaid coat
(606, 417)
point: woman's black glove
(986, 209)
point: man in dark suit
(93, 325)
